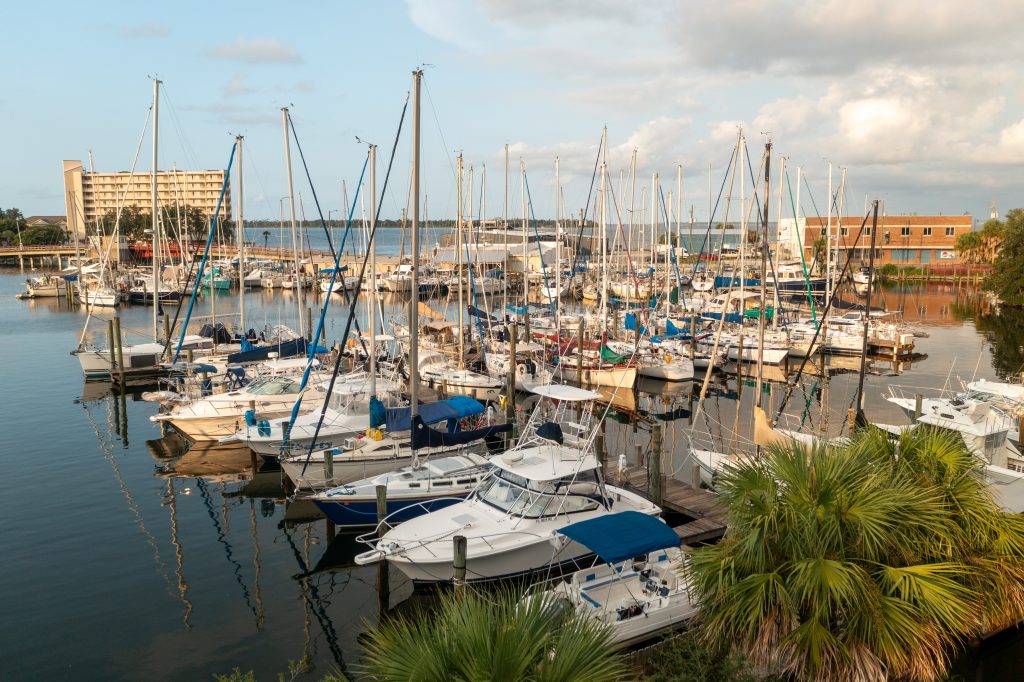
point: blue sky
(919, 100)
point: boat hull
(362, 511)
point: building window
(867, 231)
(823, 231)
(927, 232)
(905, 231)
(950, 231)
(844, 231)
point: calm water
(118, 564)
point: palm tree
(492, 636)
(861, 562)
(266, 236)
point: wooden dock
(703, 506)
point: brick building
(905, 240)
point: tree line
(14, 231)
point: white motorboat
(399, 280)
(378, 452)
(424, 485)
(46, 286)
(1010, 395)
(641, 591)
(549, 480)
(359, 457)
(255, 278)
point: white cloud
(150, 29)
(919, 96)
(256, 51)
(237, 86)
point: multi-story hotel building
(89, 196)
(901, 240)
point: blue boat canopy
(617, 537)
(457, 407)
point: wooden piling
(654, 465)
(382, 508)
(579, 353)
(329, 465)
(918, 399)
(459, 561)
(119, 349)
(167, 335)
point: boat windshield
(531, 499)
(273, 386)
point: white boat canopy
(563, 392)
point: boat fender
(250, 418)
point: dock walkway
(703, 506)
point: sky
(919, 101)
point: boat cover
(286, 349)
(476, 312)
(617, 537)
(455, 408)
(631, 324)
(425, 437)
(610, 356)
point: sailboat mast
(867, 314)
(504, 220)
(526, 255)
(156, 220)
(828, 240)
(778, 221)
(240, 226)
(604, 231)
(654, 218)
(291, 206)
(458, 269)
(764, 274)
(414, 368)
(679, 208)
(558, 252)
(373, 270)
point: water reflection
(1003, 328)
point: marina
(212, 530)
(359, 378)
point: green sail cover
(610, 356)
(752, 314)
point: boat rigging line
(359, 284)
